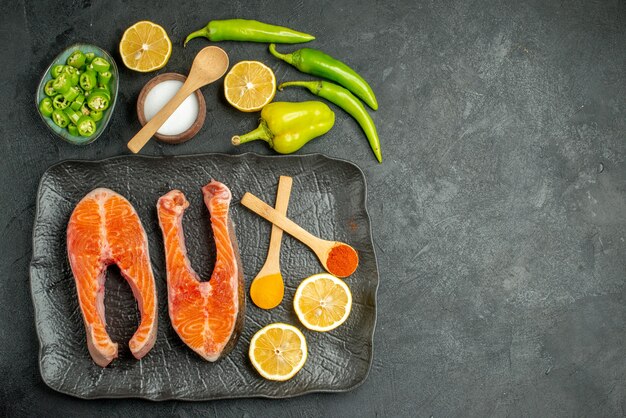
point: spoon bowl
(267, 288)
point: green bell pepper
(287, 127)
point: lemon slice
(249, 86)
(322, 302)
(278, 351)
(145, 47)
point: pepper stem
(261, 132)
(313, 86)
(288, 58)
(202, 32)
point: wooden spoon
(209, 65)
(267, 288)
(343, 262)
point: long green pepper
(345, 100)
(248, 30)
(317, 63)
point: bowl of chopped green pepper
(77, 93)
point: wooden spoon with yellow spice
(267, 289)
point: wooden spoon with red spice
(338, 259)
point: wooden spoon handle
(153, 125)
(282, 202)
(267, 212)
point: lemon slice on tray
(145, 47)
(278, 351)
(322, 302)
(249, 86)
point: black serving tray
(328, 199)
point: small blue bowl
(101, 125)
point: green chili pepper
(96, 115)
(287, 127)
(345, 100)
(73, 130)
(71, 94)
(72, 114)
(45, 107)
(100, 65)
(98, 99)
(89, 56)
(56, 70)
(62, 83)
(49, 88)
(60, 118)
(88, 80)
(72, 74)
(86, 126)
(104, 78)
(249, 30)
(78, 102)
(76, 59)
(314, 62)
(60, 102)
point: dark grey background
(499, 213)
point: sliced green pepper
(61, 84)
(98, 100)
(60, 118)
(100, 65)
(84, 109)
(89, 56)
(76, 59)
(88, 80)
(78, 102)
(104, 78)
(73, 129)
(96, 115)
(86, 126)
(72, 74)
(49, 88)
(56, 70)
(71, 94)
(72, 114)
(45, 107)
(60, 102)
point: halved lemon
(249, 86)
(322, 302)
(145, 47)
(278, 351)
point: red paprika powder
(342, 260)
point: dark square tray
(328, 199)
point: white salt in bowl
(185, 122)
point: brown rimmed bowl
(183, 136)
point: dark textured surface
(499, 213)
(337, 361)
